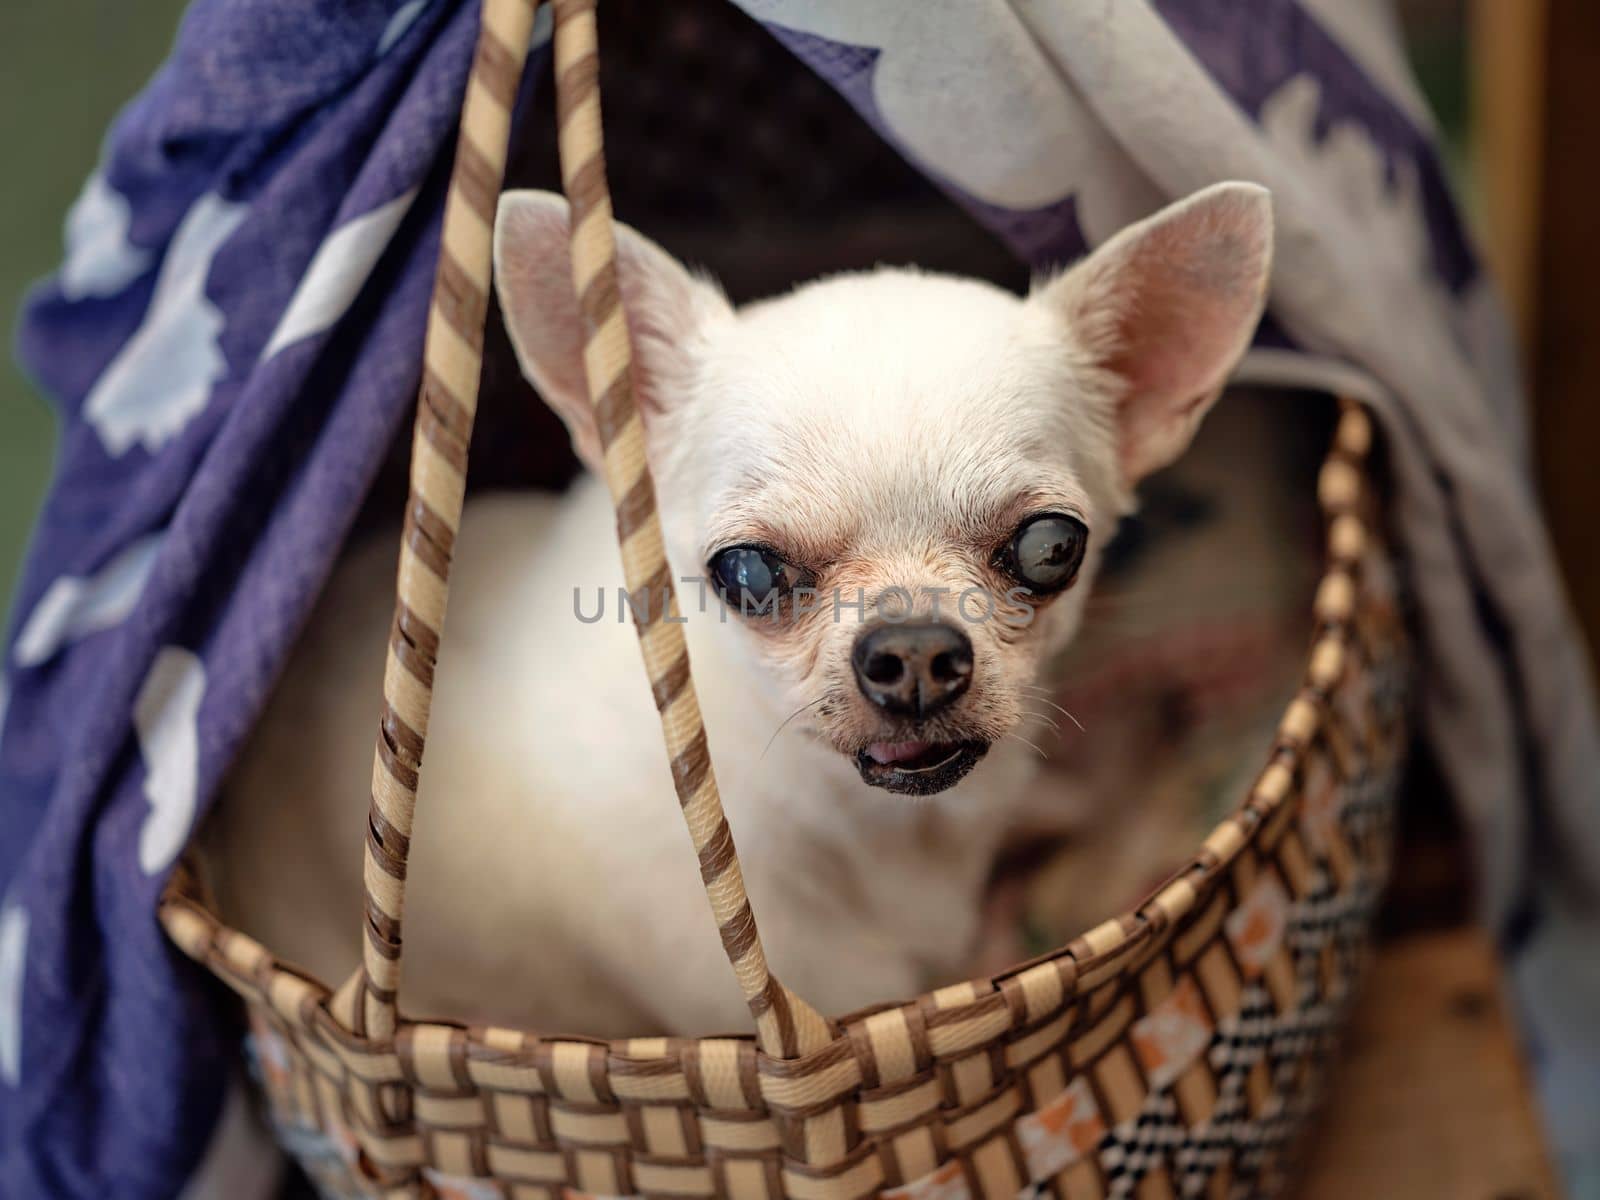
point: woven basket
(1175, 1050)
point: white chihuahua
(896, 486)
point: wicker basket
(1175, 1050)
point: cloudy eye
(753, 579)
(1045, 552)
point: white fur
(883, 428)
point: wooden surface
(1507, 48)
(1430, 1101)
(1566, 352)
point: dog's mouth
(918, 768)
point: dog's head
(901, 482)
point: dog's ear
(1166, 308)
(667, 308)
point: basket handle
(786, 1025)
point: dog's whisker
(1029, 744)
(786, 720)
(1035, 715)
(1045, 698)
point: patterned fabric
(232, 342)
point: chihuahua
(885, 496)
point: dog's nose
(912, 670)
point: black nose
(912, 670)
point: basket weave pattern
(1171, 1051)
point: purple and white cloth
(233, 343)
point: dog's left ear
(667, 309)
(1166, 308)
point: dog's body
(873, 432)
(551, 878)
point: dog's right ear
(1165, 309)
(667, 309)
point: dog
(885, 496)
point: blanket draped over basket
(233, 342)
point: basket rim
(1031, 994)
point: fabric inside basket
(1195, 641)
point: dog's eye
(754, 579)
(1045, 552)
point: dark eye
(753, 579)
(1045, 552)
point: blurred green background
(67, 66)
